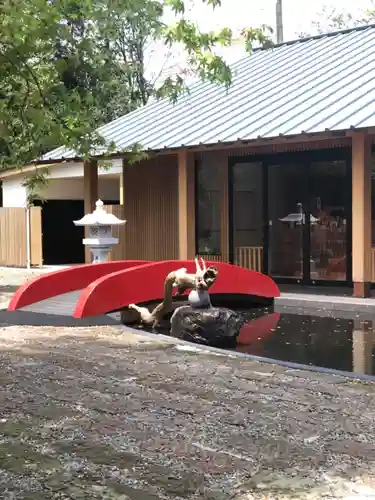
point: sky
(238, 14)
(297, 14)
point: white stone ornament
(100, 240)
(199, 298)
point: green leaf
(69, 66)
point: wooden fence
(249, 257)
(119, 250)
(210, 257)
(14, 240)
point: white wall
(14, 194)
(71, 169)
(65, 183)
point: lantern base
(101, 251)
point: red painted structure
(114, 285)
(255, 332)
(146, 283)
(65, 280)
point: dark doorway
(62, 240)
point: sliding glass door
(309, 209)
(328, 205)
(291, 216)
(247, 215)
(286, 220)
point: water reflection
(319, 339)
(363, 339)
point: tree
(67, 66)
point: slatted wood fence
(13, 237)
(119, 250)
(249, 257)
(210, 258)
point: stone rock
(213, 326)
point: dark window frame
(217, 251)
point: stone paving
(99, 413)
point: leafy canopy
(68, 66)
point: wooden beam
(90, 184)
(186, 205)
(361, 213)
(90, 193)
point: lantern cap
(99, 217)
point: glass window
(248, 205)
(208, 208)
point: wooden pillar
(186, 205)
(90, 193)
(90, 184)
(361, 214)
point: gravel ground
(96, 413)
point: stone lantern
(100, 240)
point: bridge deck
(64, 305)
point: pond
(311, 337)
(322, 338)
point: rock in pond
(213, 326)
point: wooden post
(186, 205)
(361, 214)
(90, 184)
(90, 194)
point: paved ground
(93, 413)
